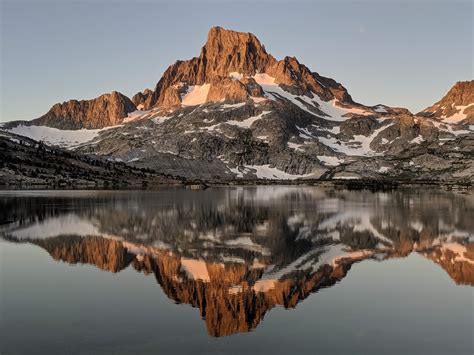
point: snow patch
(380, 109)
(58, 137)
(331, 108)
(295, 146)
(327, 160)
(417, 140)
(196, 95)
(458, 116)
(267, 172)
(160, 119)
(236, 75)
(247, 122)
(346, 177)
(359, 146)
(233, 106)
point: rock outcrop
(456, 106)
(140, 98)
(103, 111)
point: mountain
(237, 113)
(229, 68)
(103, 111)
(457, 106)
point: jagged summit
(103, 111)
(228, 51)
(456, 106)
(227, 66)
(232, 67)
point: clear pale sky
(400, 53)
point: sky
(400, 53)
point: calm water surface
(267, 270)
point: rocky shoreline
(355, 184)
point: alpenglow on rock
(235, 112)
(457, 106)
(103, 111)
(228, 65)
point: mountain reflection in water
(235, 253)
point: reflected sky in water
(268, 269)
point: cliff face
(456, 106)
(239, 56)
(103, 111)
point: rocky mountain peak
(462, 93)
(226, 70)
(227, 51)
(106, 110)
(456, 106)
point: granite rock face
(140, 98)
(456, 106)
(238, 55)
(103, 111)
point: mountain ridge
(456, 106)
(226, 52)
(235, 112)
(105, 110)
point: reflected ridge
(235, 253)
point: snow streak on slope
(359, 146)
(328, 160)
(58, 137)
(247, 122)
(266, 172)
(331, 108)
(457, 117)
